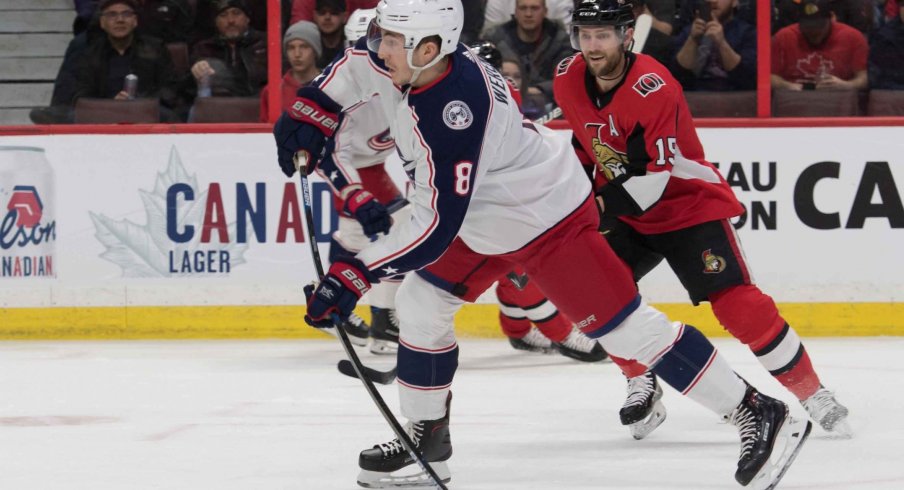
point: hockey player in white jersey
(492, 191)
(366, 197)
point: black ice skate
(534, 341)
(355, 327)
(385, 331)
(581, 347)
(828, 413)
(643, 410)
(770, 439)
(430, 437)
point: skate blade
(376, 479)
(794, 433)
(841, 430)
(642, 429)
(383, 348)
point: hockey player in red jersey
(660, 198)
(491, 192)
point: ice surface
(277, 415)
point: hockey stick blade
(380, 377)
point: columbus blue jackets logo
(712, 264)
(457, 115)
(647, 84)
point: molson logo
(22, 231)
(27, 219)
(190, 230)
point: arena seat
(885, 103)
(815, 103)
(225, 109)
(111, 111)
(722, 104)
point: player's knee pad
(350, 235)
(425, 314)
(748, 314)
(643, 337)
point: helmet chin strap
(416, 70)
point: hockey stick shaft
(301, 165)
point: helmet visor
(374, 36)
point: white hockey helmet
(416, 20)
(356, 26)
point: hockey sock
(695, 368)
(425, 376)
(513, 327)
(752, 317)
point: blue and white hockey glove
(370, 213)
(338, 293)
(311, 119)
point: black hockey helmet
(618, 13)
(488, 52)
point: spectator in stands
(301, 46)
(120, 52)
(511, 70)
(818, 52)
(658, 39)
(330, 16)
(886, 54)
(717, 51)
(205, 23)
(304, 9)
(538, 44)
(499, 12)
(234, 62)
(858, 14)
(473, 9)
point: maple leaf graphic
(143, 250)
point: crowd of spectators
(181, 50)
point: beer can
(27, 218)
(130, 85)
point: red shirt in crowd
(843, 54)
(304, 9)
(289, 87)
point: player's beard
(612, 67)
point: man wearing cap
(330, 17)
(233, 62)
(301, 46)
(819, 53)
(108, 59)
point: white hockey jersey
(362, 140)
(478, 169)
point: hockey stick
(301, 164)
(384, 378)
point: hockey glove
(338, 293)
(304, 127)
(370, 213)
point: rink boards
(199, 236)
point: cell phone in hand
(704, 11)
(808, 85)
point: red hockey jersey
(640, 139)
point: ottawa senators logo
(610, 162)
(712, 264)
(564, 65)
(648, 83)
